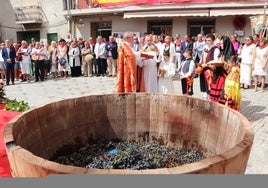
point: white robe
(165, 84)
(150, 73)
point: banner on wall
(120, 3)
(259, 25)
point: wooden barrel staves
(225, 135)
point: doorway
(200, 26)
(156, 26)
(103, 29)
(27, 35)
(52, 37)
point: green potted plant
(13, 104)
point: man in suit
(9, 55)
(136, 44)
(111, 54)
(187, 43)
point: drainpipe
(69, 20)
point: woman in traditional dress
(232, 93)
(219, 74)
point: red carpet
(5, 117)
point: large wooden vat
(34, 136)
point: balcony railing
(28, 15)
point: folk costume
(126, 69)
(209, 54)
(232, 93)
(219, 74)
(168, 47)
(186, 75)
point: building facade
(51, 20)
(24, 19)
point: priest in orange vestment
(126, 66)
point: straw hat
(88, 57)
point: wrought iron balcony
(28, 15)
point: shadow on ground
(253, 113)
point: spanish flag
(122, 3)
(113, 3)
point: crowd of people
(148, 63)
(76, 57)
(223, 64)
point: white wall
(53, 19)
(118, 25)
(224, 26)
(7, 22)
(179, 26)
(133, 25)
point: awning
(178, 13)
(196, 12)
(231, 11)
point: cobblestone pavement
(254, 106)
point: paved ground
(254, 106)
